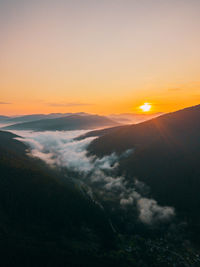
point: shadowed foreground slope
(166, 156)
(45, 221)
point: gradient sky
(98, 56)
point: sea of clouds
(62, 149)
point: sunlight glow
(146, 107)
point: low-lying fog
(99, 175)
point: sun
(145, 107)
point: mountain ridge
(71, 122)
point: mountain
(166, 153)
(71, 122)
(48, 219)
(180, 124)
(3, 118)
(34, 117)
(124, 118)
(45, 220)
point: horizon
(79, 112)
(145, 114)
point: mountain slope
(73, 122)
(172, 128)
(44, 218)
(166, 157)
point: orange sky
(99, 56)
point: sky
(98, 56)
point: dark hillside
(43, 216)
(166, 156)
(46, 220)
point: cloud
(61, 148)
(70, 104)
(5, 103)
(151, 212)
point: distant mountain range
(3, 118)
(34, 117)
(70, 122)
(124, 118)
